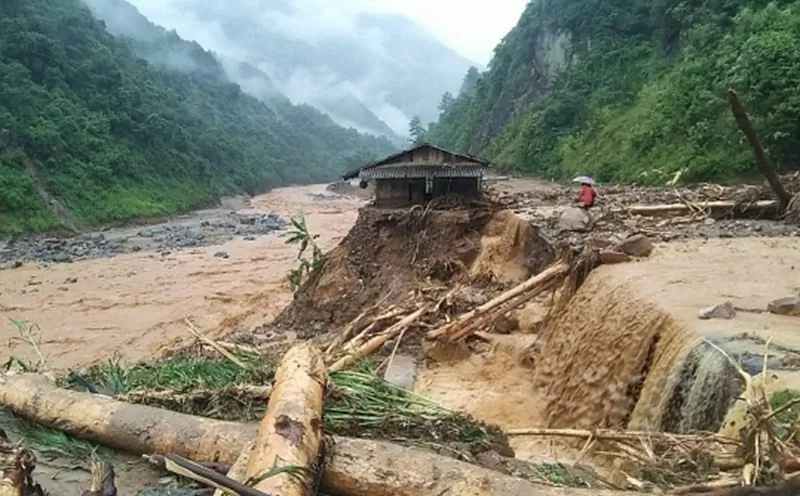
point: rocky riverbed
(199, 229)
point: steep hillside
(634, 89)
(367, 70)
(103, 135)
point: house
(420, 174)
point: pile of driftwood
(376, 326)
(285, 454)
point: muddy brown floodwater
(134, 305)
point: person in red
(588, 195)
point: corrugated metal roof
(475, 161)
(419, 171)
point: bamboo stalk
(611, 435)
(222, 351)
(354, 325)
(238, 471)
(377, 342)
(196, 472)
(357, 341)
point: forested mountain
(369, 70)
(635, 89)
(89, 130)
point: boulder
(789, 306)
(402, 372)
(721, 311)
(613, 257)
(637, 245)
(62, 257)
(506, 324)
(574, 219)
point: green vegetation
(87, 125)
(787, 404)
(360, 402)
(642, 93)
(301, 237)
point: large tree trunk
(529, 288)
(290, 434)
(762, 160)
(356, 466)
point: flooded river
(134, 305)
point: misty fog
(367, 69)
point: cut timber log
(530, 288)
(762, 160)
(290, 434)
(355, 466)
(716, 209)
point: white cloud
(471, 27)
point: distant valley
(373, 72)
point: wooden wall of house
(468, 187)
(398, 193)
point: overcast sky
(471, 27)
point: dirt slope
(388, 253)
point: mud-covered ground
(543, 203)
(127, 291)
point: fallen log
(290, 434)
(716, 209)
(483, 320)
(762, 160)
(612, 435)
(530, 288)
(355, 466)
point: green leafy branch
(300, 236)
